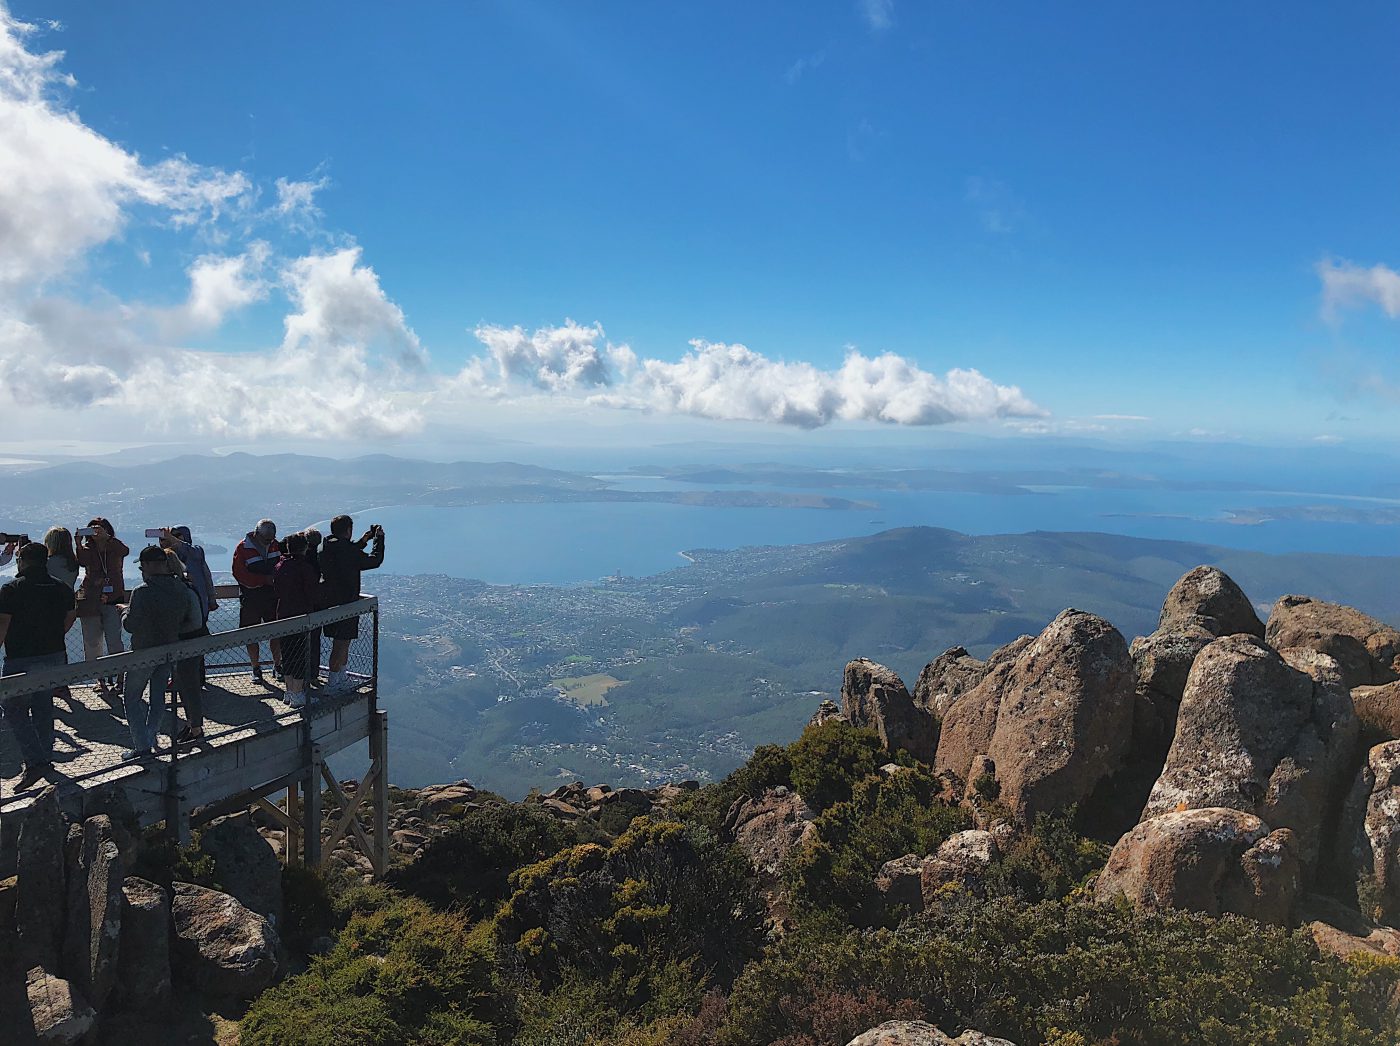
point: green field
(588, 690)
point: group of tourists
(60, 581)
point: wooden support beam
(379, 763)
(292, 851)
(311, 809)
(349, 808)
(274, 811)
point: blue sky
(1114, 209)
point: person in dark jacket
(36, 612)
(342, 559)
(254, 566)
(296, 583)
(161, 609)
(313, 556)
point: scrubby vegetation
(517, 929)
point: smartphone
(86, 532)
(154, 532)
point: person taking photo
(341, 560)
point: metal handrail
(114, 664)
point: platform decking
(255, 744)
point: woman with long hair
(63, 561)
(103, 592)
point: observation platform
(254, 746)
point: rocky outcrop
(1377, 712)
(94, 913)
(59, 1013)
(1367, 650)
(766, 830)
(246, 865)
(1370, 833)
(874, 696)
(1213, 861)
(921, 1033)
(827, 712)
(962, 859)
(143, 962)
(1208, 598)
(224, 948)
(1342, 931)
(1258, 735)
(945, 679)
(41, 886)
(1054, 722)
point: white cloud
(734, 383)
(1121, 417)
(1328, 440)
(878, 14)
(804, 65)
(342, 306)
(295, 198)
(1346, 284)
(222, 284)
(65, 188)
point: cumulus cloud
(734, 383)
(1346, 284)
(341, 305)
(222, 284)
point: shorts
(257, 606)
(347, 629)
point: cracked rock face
(946, 678)
(221, 945)
(1214, 861)
(921, 1033)
(1055, 719)
(1370, 832)
(874, 696)
(1263, 733)
(1367, 650)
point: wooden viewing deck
(255, 744)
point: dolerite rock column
(874, 696)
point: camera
(86, 532)
(14, 539)
(155, 532)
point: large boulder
(1260, 734)
(963, 859)
(94, 912)
(41, 886)
(1209, 598)
(1212, 860)
(224, 948)
(1342, 931)
(143, 962)
(874, 696)
(766, 830)
(945, 679)
(1377, 712)
(921, 1033)
(1368, 650)
(1055, 721)
(1370, 833)
(59, 1013)
(246, 864)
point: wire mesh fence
(98, 713)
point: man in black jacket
(36, 612)
(341, 561)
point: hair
(183, 533)
(313, 537)
(98, 521)
(59, 542)
(34, 553)
(173, 562)
(153, 555)
(296, 544)
(341, 526)
(265, 524)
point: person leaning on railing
(341, 561)
(296, 584)
(254, 564)
(36, 612)
(197, 573)
(162, 607)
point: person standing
(63, 560)
(342, 559)
(313, 556)
(161, 609)
(296, 585)
(254, 568)
(103, 559)
(36, 613)
(201, 579)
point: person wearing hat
(161, 608)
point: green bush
(400, 974)
(828, 760)
(161, 860)
(469, 865)
(1048, 862)
(660, 915)
(307, 909)
(768, 767)
(885, 818)
(1067, 972)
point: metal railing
(91, 729)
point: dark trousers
(189, 683)
(31, 715)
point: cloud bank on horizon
(348, 360)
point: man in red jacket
(254, 568)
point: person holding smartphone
(102, 594)
(342, 559)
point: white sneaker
(339, 683)
(296, 699)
